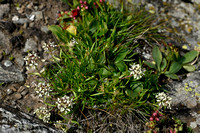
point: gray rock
(44, 29)
(17, 96)
(4, 9)
(30, 45)
(21, 21)
(14, 121)
(7, 63)
(187, 92)
(38, 15)
(5, 46)
(19, 60)
(9, 91)
(8, 76)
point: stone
(17, 96)
(38, 15)
(9, 76)
(187, 92)
(44, 29)
(30, 45)
(19, 60)
(9, 91)
(7, 63)
(4, 9)
(14, 121)
(24, 92)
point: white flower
(137, 71)
(48, 46)
(64, 103)
(43, 113)
(31, 60)
(164, 100)
(43, 89)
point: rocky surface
(15, 121)
(24, 26)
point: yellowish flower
(72, 29)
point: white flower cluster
(137, 71)
(31, 60)
(64, 103)
(48, 46)
(60, 125)
(164, 100)
(43, 89)
(43, 113)
(72, 42)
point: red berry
(86, 7)
(85, 2)
(151, 119)
(81, 1)
(157, 119)
(59, 15)
(154, 114)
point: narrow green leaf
(188, 57)
(59, 33)
(172, 76)
(151, 65)
(121, 55)
(96, 94)
(189, 68)
(174, 67)
(164, 64)
(157, 56)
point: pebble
(38, 15)
(30, 45)
(31, 24)
(7, 63)
(24, 92)
(15, 18)
(44, 29)
(17, 96)
(9, 91)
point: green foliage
(96, 50)
(172, 62)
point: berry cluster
(155, 116)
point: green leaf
(164, 64)
(96, 94)
(105, 72)
(121, 55)
(121, 66)
(172, 75)
(157, 56)
(136, 90)
(174, 67)
(59, 33)
(151, 65)
(189, 68)
(188, 57)
(93, 26)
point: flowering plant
(91, 70)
